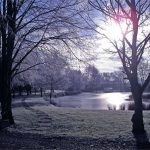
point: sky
(106, 64)
(106, 61)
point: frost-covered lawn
(53, 121)
(41, 126)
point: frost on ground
(35, 117)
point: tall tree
(74, 78)
(27, 26)
(132, 19)
(93, 78)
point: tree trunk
(0, 79)
(6, 65)
(137, 118)
(6, 99)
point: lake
(95, 101)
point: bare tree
(27, 26)
(132, 45)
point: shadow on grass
(142, 141)
(11, 140)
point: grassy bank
(48, 120)
(75, 124)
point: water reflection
(95, 101)
(115, 100)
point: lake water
(94, 101)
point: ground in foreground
(39, 126)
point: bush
(144, 106)
(122, 107)
(148, 107)
(111, 107)
(72, 92)
(131, 106)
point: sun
(114, 30)
(110, 31)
